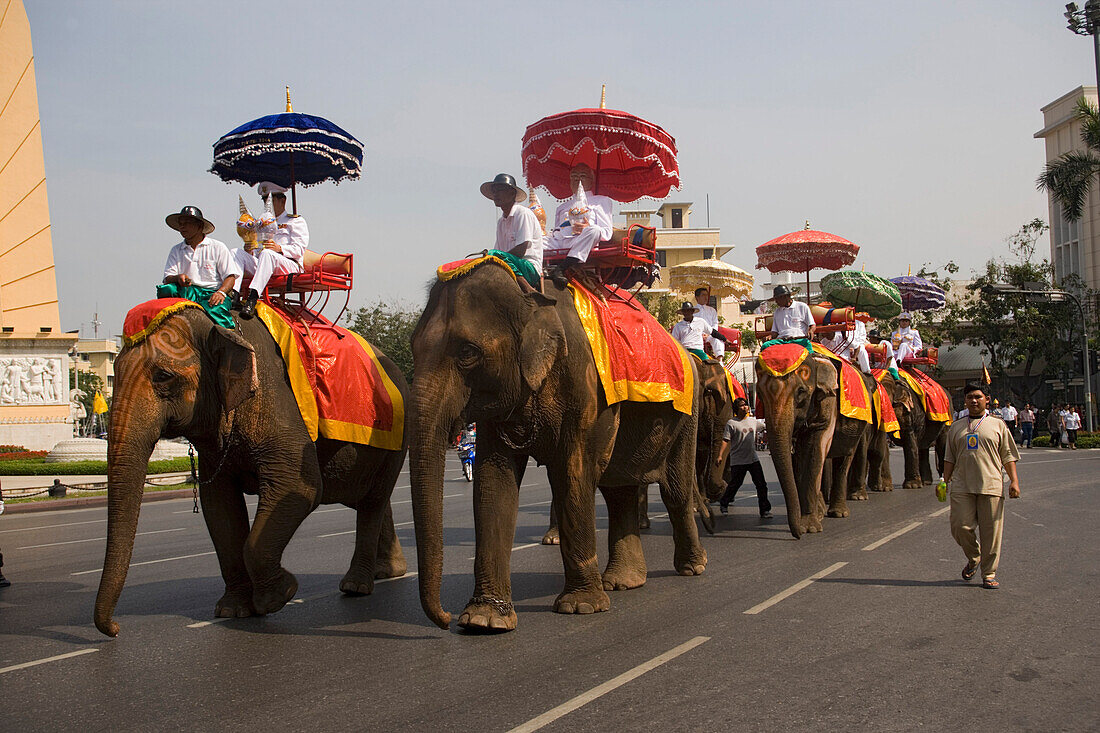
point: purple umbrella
(919, 294)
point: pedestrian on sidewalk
(1027, 425)
(979, 450)
(4, 582)
(1054, 425)
(1073, 424)
(739, 447)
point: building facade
(98, 357)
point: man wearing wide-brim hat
(691, 332)
(200, 268)
(792, 320)
(519, 233)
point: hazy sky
(903, 126)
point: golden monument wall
(34, 363)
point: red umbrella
(632, 158)
(806, 250)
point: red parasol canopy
(632, 158)
(806, 250)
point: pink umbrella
(805, 250)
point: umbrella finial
(910, 269)
(603, 97)
(288, 107)
(807, 224)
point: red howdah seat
(321, 275)
(631, 247)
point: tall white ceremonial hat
(267, 188)
(580, 202)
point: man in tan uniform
(979, 448)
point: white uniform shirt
(599, 215)
(709, 316)
(907, 335)
(794, 321)
(208, 264)
(844, 343)
(518, 227)
(1009, 413)
(690, 333)
(293, 236)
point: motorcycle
(466, 442)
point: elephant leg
(573, 484)
(359, 579)
(390, 559)
(277, 519)
(679, 493)
(496, 504)
(551, 537)
(838, 487)
(857, 473)
(810, 464)
(925, 467)
(643, 506)
(626, 567)
(911, 448)
(226, 517)
(878, 463)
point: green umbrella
(863, 291)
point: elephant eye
(468, 355)
(162, 376)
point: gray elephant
(229, 394)
(518, 362)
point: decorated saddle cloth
(736, 390)
(855, 400)
(885, 417)
(143, 319)
(219, 313)
(933, 396)
(342, 390)
(518, 266)
(637, 359)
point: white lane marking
(352, 531)
(891, 536)
(346, 508)
(940, 512)
(1059, 460)
(96, 539)
(794, 589)
(537, 503)
(584, 698)
(149, 562)
(37, 662)
(52, 526)
(409, 501)
(517, 547)
(211, 622)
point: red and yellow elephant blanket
(933, 396)
(855, 401)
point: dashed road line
(584, 698)
(794, 589)
(149, 562)
(519, 547)
(940, 512)
(352, 531)
(52, 526)
(97, 539)
(893, 535)
(37, 662)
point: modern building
(1074, 245)
(98, 357)
(34, 367)
(678, 242)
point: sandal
(969, 571)
(991, 584)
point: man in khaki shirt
(979, 448)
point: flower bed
(18, 455)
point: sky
(906, 127)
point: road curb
(89, 502)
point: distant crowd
(1062, 422)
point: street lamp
(1056, 296)
(1086, 22)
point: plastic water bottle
(941, 490)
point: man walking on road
(979, 448)
(1027, 425)
(739, 446)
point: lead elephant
(518, 362)
(228, 393)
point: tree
(1069, 178)
(662, 306)
(90, 383)
(390, 328)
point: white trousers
(245, 261)
(905, 351)
(271, 263)
(860, 354)
(580, 245)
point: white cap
(905, 317)
(267, 188)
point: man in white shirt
(598, 227)
(691, 332)
(199, 268)
(1009, 415)
(518, 230)
(284, 255)
(709, 316)
(851, 344)
(906, 340)
(792, 320)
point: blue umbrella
(287, 149)
(919, 294)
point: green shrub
(1084, 440)
(39, 467)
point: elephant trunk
(779, 443)
(436, 406)
(133, 434)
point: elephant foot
(390, 567)
(813, 524)
(912, 483)
(357, 583)
(582, 601)
(622, 578)
(692, 564)
(643, 521)
(858, 495)
(488, 615)
(235, 604)
(275, 595)
(839, 513)
(551, 537)
(882, 488)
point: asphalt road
(864, 627)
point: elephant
(517, 361)
(812, 445)
(229, 394)
(919, 432)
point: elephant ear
(826, 384)
(236, 366)
(542, 342)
